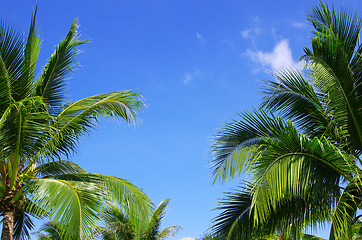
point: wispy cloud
(250, 33)
(200, 38)
(298, 24)
(188, 238)
(191, 76)
(281, 56)
(253, 31)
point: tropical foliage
(302, 147)
(39, 126)
(51, 231)
(127, 224)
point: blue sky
(196, 62)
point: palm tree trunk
(8, 225)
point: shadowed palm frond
(236, 218)
(23, 225)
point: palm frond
(235, 220)
(348, 203)
(23, 85)
(296, 99)
(51, 231)
(57, 168)
(23, 225)
(237, 144)
(168, 232)
(51, 82)
(116, 190)
(70, 203)
(10, 62)
(80, 117)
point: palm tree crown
(127, 224)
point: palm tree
(54, 231)
(127, 224)
(304, 166)
(38, 126)
(51, 231)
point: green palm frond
(238, 142)
(51, 231)
(153, 227)
(127, 221)
(11, 49)
(292, 164)
(348, 203)
(344, 25)
(115, 189)
(72, 204)
(51, 82)
(236, 219)
(296, 99)
(168, 232)
(24, 84)
(57, 168)
(80, 117)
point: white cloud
(281, 56)
(190, 76)
(188, 238)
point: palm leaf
(348, 203)
(23, 225)
(235, 220)
(11, 52)
(80, 117)
(115, 189)
(57, 168)
(237, 144)
(51, 83)
(72, 204)
(337, 67)
(297, 100)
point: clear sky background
(196, 62)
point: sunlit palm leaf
(337, 67)
(80, 117)
(51, 83)
(72, 204)
(237, 144)
(57, 168)
(296, 99)
(113, 188)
